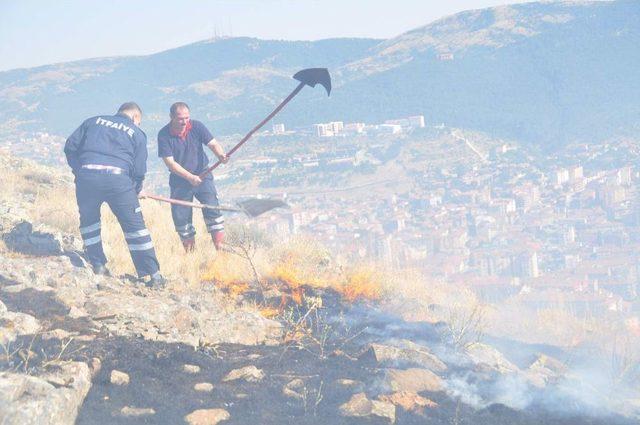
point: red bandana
(182, 135)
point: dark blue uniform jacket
(112, 140)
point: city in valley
(558, 229)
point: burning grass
(301, 261)
(363, 283)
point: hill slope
(544, 73)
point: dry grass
(49, 198)
(365, 282)
(551, 325)
(301, 261)
(174, 262)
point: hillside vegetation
(543, 73)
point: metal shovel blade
(313, 76)
(255, 206)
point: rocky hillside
(544, 73)
(284, 348)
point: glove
(139, 186)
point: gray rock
(191, 368)
(294, 389)
(545, 370)
(411, 402)
(207, 417)
(488, 357)
(350, 383)
(56, 334)
(95, 365)
(31, 400)
(412, 380)
(119, 378)
(204, 387)
(247, 373)
(137, 411)
(408, 354)
(360, 406)
(13, 324)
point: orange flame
(269, 312)
(227, 275)
(362, 284)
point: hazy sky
(38, 32)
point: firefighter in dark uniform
(108, 156)
(181, 146)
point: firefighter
(108, 156)
(181, 146)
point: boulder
(247, 373)
(411, 402)
(95, 365)
(488, 357)
(409, 354)
(360, 406)
(207, 417)
(191, 368)
(52, 398)
(204, 387)
(119, 378)
(544, 370)
(137, 411)
(13, 324)
(412, 380)
(294, 389)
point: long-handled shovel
(252, 207)
(307, 77)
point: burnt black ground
(158, 380)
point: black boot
(156, 281)
(101, 269)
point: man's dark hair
(129, 107)
(178, 105)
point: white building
(323, 130)
(390, 128)
(416, 121)
(354, 127)
(278, 129)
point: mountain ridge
(543, 73)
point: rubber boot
(189, 244)
(156, 281)
(101, 269)
(218, 240)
